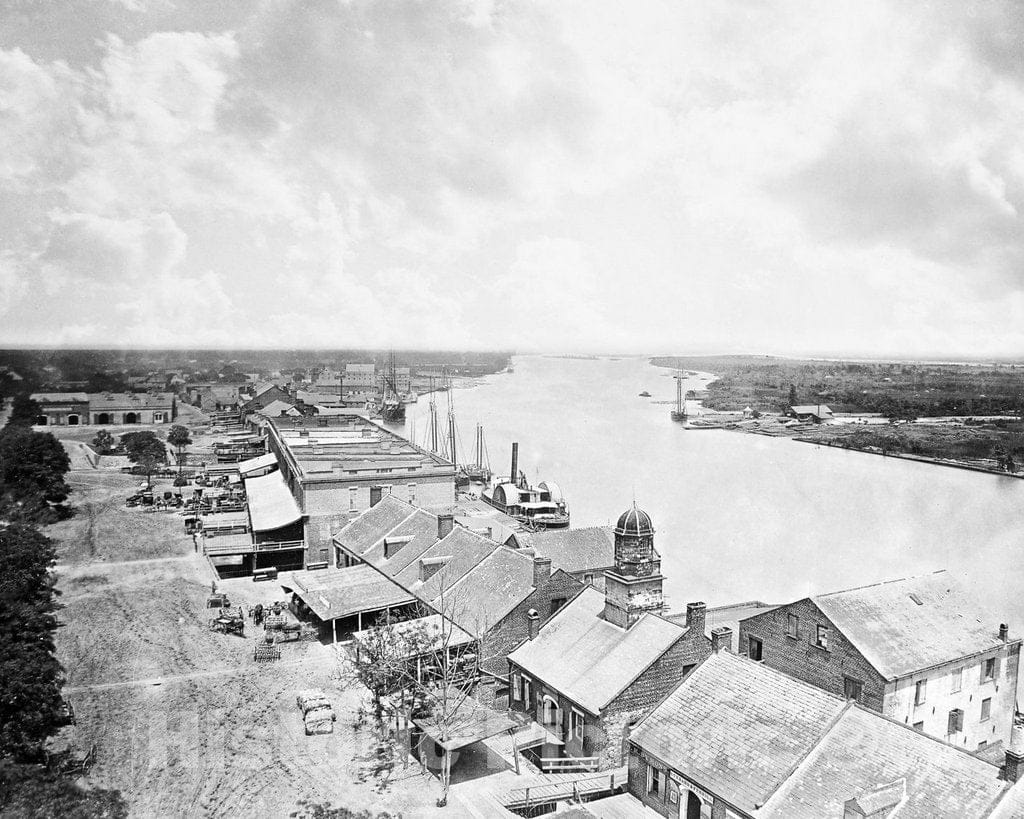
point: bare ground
(185, 722)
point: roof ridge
(875, 585)
(832, 723)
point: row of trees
(33, 490)
(144, 448)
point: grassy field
(185, 722)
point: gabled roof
(864, 750)
(575, 550)
(59, 397)
(587, 658)
(488, 591)
(737, 730)
(906, 625)
(463, 550)
(782, 749)
(820, 410)
(130, 400)
(275, 408)
(368, 528)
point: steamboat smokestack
(514, 474)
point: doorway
(103, 418)
(131, 418)
(72, 420)
(692, 805)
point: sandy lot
(185, 722)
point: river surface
(739, 517)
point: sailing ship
(679, 413)
(535, 507)
(391, 408)
(480, 470)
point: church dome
(634, 523)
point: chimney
(1004, 632)
(1014, 768)
(721, 639)
(445, 524)
(541, 571)
(533, 623)
(514, 474)
(695, 615)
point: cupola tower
(634, 586)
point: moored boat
(536, 507)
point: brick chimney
(541, 571)
(1014, 767)
(533, 623)
(721, 639)
(695, 616)
(445, 524)
(1004, 632)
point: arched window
(550, 713)
(72, 420)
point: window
(853, 689)
(588, 579)
(527, 692)
(158, 417)
(792, 626)
(550, 716)
(353, 498)
(988, 669)
(956, 680)
(920, 691)
(986, 709)
(517, 688)
(576, 724)
(919, 726)
(655, 781)
(821, 637)
(557, 603)
(412, 493)
(755, 649)
(956, 721)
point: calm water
(739, 517)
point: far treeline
(35, 781)
(894, 389)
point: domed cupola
(633, 587)
(634, 523)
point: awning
(260, 462)
(271, 505)
(422, 635)
(332, 594)
(472, 722)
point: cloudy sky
(829, 178)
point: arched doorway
(103, 418)
(72, 420)
(131, 418)
(42, 420)
(692, 805)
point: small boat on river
(535, 507)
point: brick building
(72, 409)
(585, 553)
(604, 659)
(919, 650)
(62, 408)
(338, 466)
(737, 739)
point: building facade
(73, 409)
(62, 408)
(917, 650)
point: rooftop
(767, 742)
(576, 550)
(587, 658)
(271, 505)
(337, 593)
(58, 397)
(902, 626)
(130, 400)
(332, 447)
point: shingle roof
(864, 750)
(130, 400)
(58, 397)
(575, 550)
(587, 658)
(737, 728)
(759, 738)
(367, 529)
(488, 591)
(906, 625)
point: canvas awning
(271, 504)
(257, 464)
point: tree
(34, 790)
(24, 411)
(31, 707)
(104, 443)
(793, 401)
(179, 438)
(145, 450)
(32, 470)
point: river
(739, 517)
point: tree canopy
(104, 442)
(35, 791)
(144, 444)
(30, 675)
(24, 411)
(32, 470)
